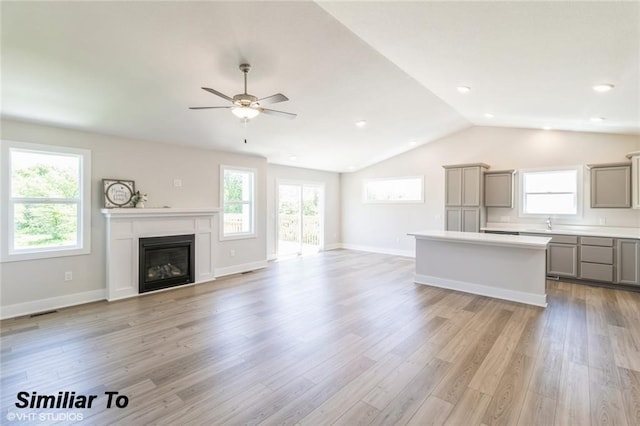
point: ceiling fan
(246, 106)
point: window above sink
(550, 192)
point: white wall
(152, 166)
(331, 182)
(383, 227)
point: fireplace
(166, 262)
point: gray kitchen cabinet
(471, 184)
(597, 259)
(498, 188)
(453, 187)
(628, 262)
(453, 219)
(465, 219)
(562, 254)
(610, 185)
(471, 220)
(562, 259)
(463, 197)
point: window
(48, 201)
(550, 192)
(394, 190)
(238, 198)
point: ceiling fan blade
(279, 113)
(278, 97)
(215, 92)
(227, 107)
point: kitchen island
(510, 267)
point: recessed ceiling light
(413, 143)
(546, 128)
(464, 89)
(361, 123)
(488, 115)
(603, 87)
(597, 119)
(293, 158)
(351, 167)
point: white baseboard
(334, 246)
(381, 250)
(27, 308)
(238, 269)
(42, 305)
(483, 290)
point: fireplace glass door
(166, 262)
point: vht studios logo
(68, 400)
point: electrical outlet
(602, 220)
(232, 253)
(177, 183)
(505, 218)
(68, 276)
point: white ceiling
(132, 69)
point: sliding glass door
(300, 218)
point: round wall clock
(118, 193)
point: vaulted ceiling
(132, 69)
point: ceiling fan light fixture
(244, 112)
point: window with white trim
(238, 199)
(408, 189)
(46, 201)
(550, 192)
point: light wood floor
(343, 338)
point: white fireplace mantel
(126, 226)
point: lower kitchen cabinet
(628, 262)
(562, 260)
(597, 259)
(465, 219)
(593, 258)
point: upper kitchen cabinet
(498, 188)
(610, 185)
(635, 178)
(463, 185)
(453, 187)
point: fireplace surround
(126, 226)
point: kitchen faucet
(549, 223)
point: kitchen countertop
(484, 239)
(590, 231)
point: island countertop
(504, 240)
